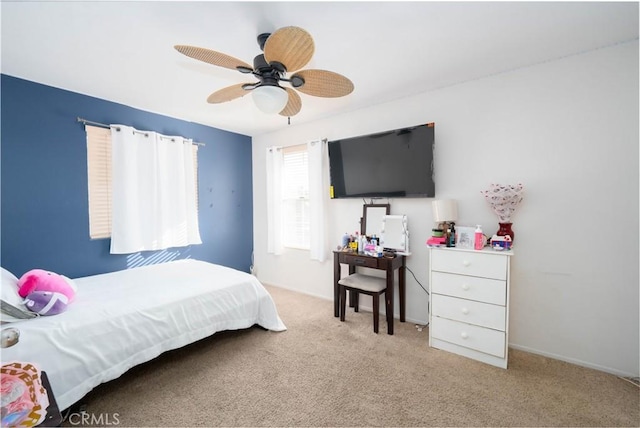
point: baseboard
(574, 361)
(296, 290)
(395, 315)
(363, 307)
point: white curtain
(274, 200)
(154, 191)
(318, 193)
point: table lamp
(445, 212)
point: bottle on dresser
(452, 236)
(478, 243)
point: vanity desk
(388, 264)
(469, 303)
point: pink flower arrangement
(504, 199)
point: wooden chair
(370, 285)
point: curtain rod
(104, 125)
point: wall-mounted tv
(390, 164)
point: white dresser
(469, 303)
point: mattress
(121, 319)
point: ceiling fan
(287, 50)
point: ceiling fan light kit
(270, 99)
(288, 49)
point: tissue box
(501, 242)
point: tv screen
(390, 164)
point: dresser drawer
(470, 287)
(481, 314)
(470, 336)
(470, 263)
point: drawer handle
(464, 335)
(465, 311)
(465, 287)
(466, 263)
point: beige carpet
(322, 372)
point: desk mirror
(372, 215)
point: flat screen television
(390, 164)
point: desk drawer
(470, 263)
(482, 314)
(364, 261)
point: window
(295, 197)
(99, 180)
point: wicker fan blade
(293, 105)
(228, 94)
(322, 83)
(290, 46)
(212, 57)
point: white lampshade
(445, 210)
(270, 99)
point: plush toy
(46, 293)
(46, 302)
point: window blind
(295, 197)
(99, 180)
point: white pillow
(11, 298)
(10, 288)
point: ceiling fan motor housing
(269, 74)
(261, 66)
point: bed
(121, 319)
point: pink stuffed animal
(39, 285)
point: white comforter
(125, 318)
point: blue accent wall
(44, 206)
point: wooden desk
(381, 263)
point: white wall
(567, 130)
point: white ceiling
(123, 51)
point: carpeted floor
(321, 372)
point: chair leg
(356, 300)
(343, 302)
(376, 312)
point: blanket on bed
(122, 319)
